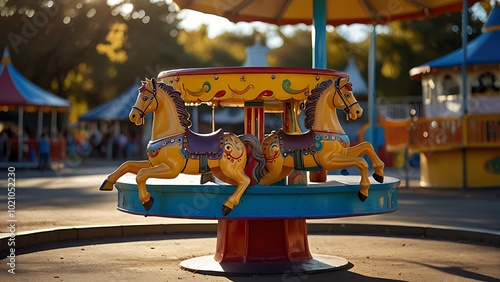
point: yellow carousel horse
(325, 145)
(175, 149)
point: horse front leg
(365, 148)
(337, 162)
(234, 199)
(160, 171)
(128, 166)
(234, 174)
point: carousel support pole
(194, 119)
(465, 20)
(372, 117)
(254, 119)
(291, 124)
(213, 118)
(319, 58)
(20, 132)
(319, 34)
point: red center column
(262, 240)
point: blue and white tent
(483, 50)
(116, 109)
(18, 91)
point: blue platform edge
(183, 198)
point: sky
(193, 20)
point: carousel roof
(16, 90)
(480, 51)
(115, 109)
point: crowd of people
(48, 147)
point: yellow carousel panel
(234, 85)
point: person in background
(4, 146)
(44, 152)
(122, 145)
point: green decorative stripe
(205, 84)
(286, 86)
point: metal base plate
(207, 265)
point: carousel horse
(325, 145)
(175, 149)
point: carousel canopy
(482, 50)
(337, 12)
(115, 109)
(17, 91)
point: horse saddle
(204, 144)
(291, 142)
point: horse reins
(347, 108)
(153, 97)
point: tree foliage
(414, 42)
(87, 50)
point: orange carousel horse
(325, 145)
(175, 149)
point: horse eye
(145, 98)
(347, 96)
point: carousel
(26, 112)
(256, 186)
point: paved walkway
(70, 198)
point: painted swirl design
(287, 87)
(206, 87)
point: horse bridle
(347, 108)
(153, 97)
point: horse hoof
(106, 186)
(379, 178)
(147, 205)
(362, 197)
(226, 210)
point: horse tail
(255, 157)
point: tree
(55, 44)
(408, 44)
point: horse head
(344, 99)
(146, 102)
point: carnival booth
(23, 106)
(458, 146)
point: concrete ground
(68, 201)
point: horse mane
(312, 100)
(256, 153)
(175, 95)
